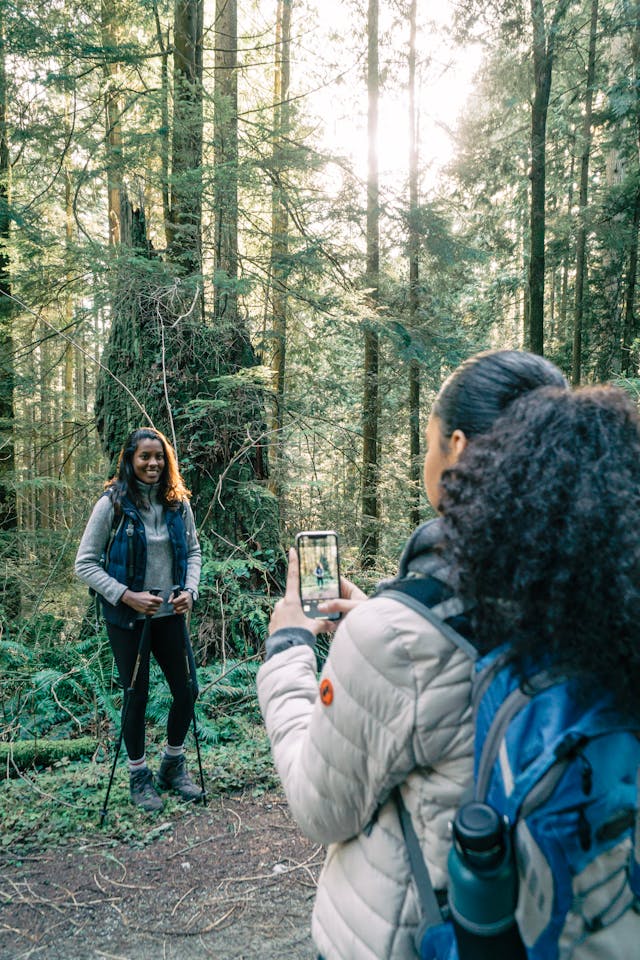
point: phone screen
(319, 570)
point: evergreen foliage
(168, 227)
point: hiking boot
(173, 775)
(143, 792)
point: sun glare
(443, 83)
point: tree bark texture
(68, 416)
(113, 141)
(225, 142)
(543, 53)
(184, 385)
(186, 148)
(370, 405)
(163, 46)
(415, 471)
(581, 238)
(9, 584)
(631, 330)
(608, 332)
(279, 233)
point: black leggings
(167, 644)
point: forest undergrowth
(59, 723)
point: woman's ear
(457, 443)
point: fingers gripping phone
(319, 566)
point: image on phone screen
(319, 570)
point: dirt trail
(233, 881)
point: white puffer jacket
(399, 714)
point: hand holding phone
(319, 571)
(350, 596)
(288, 611)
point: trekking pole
(125, 710)
(193, 683)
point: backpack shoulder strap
(514, 702)
(432, 914)
(409, 593)
(511, 706)
(117, 520)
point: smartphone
(319, 565)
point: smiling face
(148, 460)
(442, 453)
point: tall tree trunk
(185, 219)
(543, 53)
(163, 46)
(414, 367)
(225, 142)
(279, 234)
(68, 394)
(608, 336)
(630, 330)
(9, 584)
(44, 519)
(110, 40)
(581, 238)
(563, 330)
(370, 405)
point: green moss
(44, 753)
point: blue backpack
(566, 776)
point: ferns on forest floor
(60, 701)
(59, 690)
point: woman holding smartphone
(393, 704)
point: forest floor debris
(231, 881)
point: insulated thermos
(483, 886)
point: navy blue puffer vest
(127, 557)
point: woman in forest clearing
(393, 706)
(140, 553)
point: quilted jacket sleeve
(390, 673)
(88, 566)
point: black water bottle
(483, 886)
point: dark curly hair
(171, 487)
(541, 522)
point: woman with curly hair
(541, 522)
(392, 709)
(541, 529)
(140, 554)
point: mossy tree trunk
(185, 220)
(188, 374)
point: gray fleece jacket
(159, 557)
